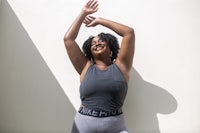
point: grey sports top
(103, 89)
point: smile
(99, 47)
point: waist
(99, 113)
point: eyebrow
(95, 40)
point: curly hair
(110, 39)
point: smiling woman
(101, 62)
(99, 42)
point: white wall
(163, 90)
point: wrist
(99, 20)
(83, 13)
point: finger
(94, 4)
(95, 7)
(89, 3)
(87, 21)
(91, 18)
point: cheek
(91, 50)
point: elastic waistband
(99, 113)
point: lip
(99, 47)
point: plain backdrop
(39, 86)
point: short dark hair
(109, 38)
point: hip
(90, 124)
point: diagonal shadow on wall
(31, 100)
(144, 101)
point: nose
(97, 44)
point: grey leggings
(90, 124)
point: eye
(100, 40)
(93, 44)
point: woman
(104, 72)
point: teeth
(99, 48)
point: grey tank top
(103, 89)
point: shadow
(31, 99)
(143, 102)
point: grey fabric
(103, 89)
(89, 124)
(74, 128)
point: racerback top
(103, 89)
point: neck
(103, 64)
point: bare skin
(99, 48)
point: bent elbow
(65, 38)
(131, 31)
(67, 41)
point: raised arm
(125, 56)
(77, 58)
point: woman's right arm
(77, 58)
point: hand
(90, 21)
(90, 7)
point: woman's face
(99, 47)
